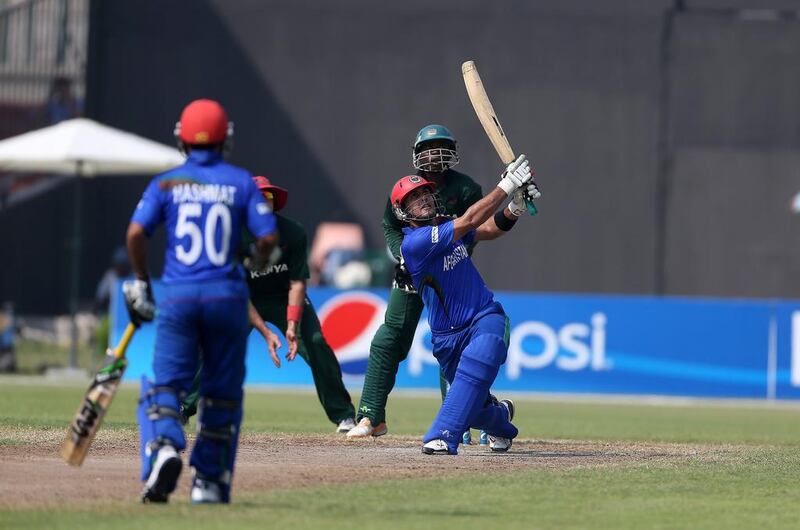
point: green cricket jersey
(272, 281)
(458, 193)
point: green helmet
(438, 157)
(433, 132)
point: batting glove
(139, 300)
(517, 205)
(516, 175)
(532, 190)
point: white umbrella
(84, 148)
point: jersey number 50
(187, 227)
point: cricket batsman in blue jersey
(469, 329)
(204, 204)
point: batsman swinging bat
(488, 118)
(95, 404)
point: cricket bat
(488, 118)
(95, 403)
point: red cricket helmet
(279, 195)
(203, 122)
(402, 188)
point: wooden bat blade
(485, 112)
(88, 419)
(95, 404)
(488, 118)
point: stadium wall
(665, 140)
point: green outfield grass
(754, 484)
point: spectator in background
(120, 268)
(337, 256)
(61, 102)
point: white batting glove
(531, 190)
(139, 300)
(517, 205)
(516, 174)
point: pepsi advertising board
(627, 345)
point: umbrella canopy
(85, 147)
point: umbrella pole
(77, 206)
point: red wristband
(294, 312)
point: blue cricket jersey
(204, 204)
(443, 273)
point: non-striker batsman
(204, 204)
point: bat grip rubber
(531, 207)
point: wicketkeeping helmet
(203, 123)
(434, 149)
(406, 185)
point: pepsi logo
(349, 322)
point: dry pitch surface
(33, 475)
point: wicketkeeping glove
(139, 300)
(402, 278)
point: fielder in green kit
(278, 296)
(434, 154)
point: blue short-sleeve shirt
(203, 204)
(444, 274)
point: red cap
(406, 185)
(279, 195)
(203, 122)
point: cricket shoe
(205, 492)
(484, 439)
(466, 439)
(163, 477)
(436, 447)
(499, 444)
(364, 429)
(345, 425)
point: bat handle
(119, 351)
(531, 207)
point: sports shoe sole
(165, 483)
(504, 450)
(380, 430)
(429, 451)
